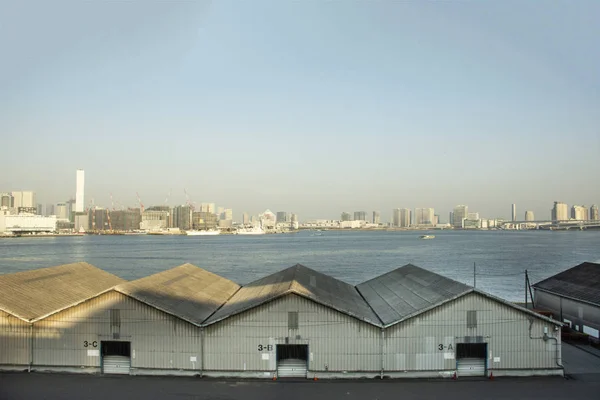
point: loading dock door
(116, 357)
(292, 360)
(471, 359)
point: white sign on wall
(193, 358)
(93, 353)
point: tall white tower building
(514, 212)
(79, 190)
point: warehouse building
(147, 326)
(30, 296)
(297, 322)
(573, 297)
(435, 326)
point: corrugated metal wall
(14, 340)
(337, 342)
(578, 313)
(158, 340)
(428, 342)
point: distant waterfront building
(396, 217)
(220, 210)
(6, 200)
(282, 216)
(49, 209)
(594, 213)
(228, 214)
(245, 218)
(460, 214)
(529, 216)
(79, 191)
(39, 210)
(294, 221)
(473, 215)
(203, 220)
(376, 217)
(62, 213)
(23, 199)
(126, 220)
(579, 213)
(346, 216)
(182, 217)
(451, 218)
(436, 219)
(405, 217)
(207, 207)
(154, 220)
(360, 215)
(514, 212)
(560, 211)
(424, 216)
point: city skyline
(368, 107)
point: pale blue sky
(309, 106)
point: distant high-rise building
(529, 216)
(228, 213)
(579, 213)
(24, 199)
(39, 210)
(460, 213)
(282, 216)
(424, 216)
(79, 191)
(207, 207)
(346, 216)
(182, 217)
(451, 218)
(396, 217)
(376, 217)
(49, 209)
(560, 211)
(62, 211)
(473, 216)
(594, 213)
(405, 217)
(6, 200)
(514, 212)
(436, 219)
(360, 215)
(220, 210)
(245, 218)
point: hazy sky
(308, 106)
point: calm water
(500, 257)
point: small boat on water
(257, 230)
(425, 237)
(203, 233)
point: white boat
(202, 233)
(426, 237)
(257, 230)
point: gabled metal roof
(188, 292)
(302, 281)
(33, 295)
(405, 291)
(581, 282)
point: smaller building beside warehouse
(573, 297)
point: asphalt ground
(582, 381)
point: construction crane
(112, 202)
(108, 217)
(188, 202)
(168, 196)
(140, 201)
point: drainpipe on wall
(381, 352)
(30, 347)
(201, 351)
(545, 338)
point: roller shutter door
(116, 365)
(291, 368)
(470, 366)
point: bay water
(500, 257)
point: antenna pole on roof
(474, 276)
(525, 288)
